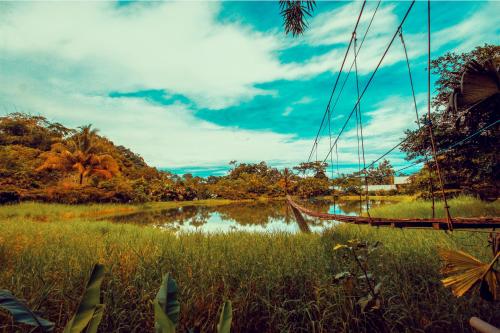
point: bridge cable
(361, 134)
(331, 162)
(431, 131)
(450, 147)
(315, 144)
(357, 131)
(431, 184)
(371, 77)
(352, 63)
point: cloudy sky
(191, 86)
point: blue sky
(191, 86)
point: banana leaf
(226, 316)
(96, 319)
(465, 272)
(21, 313)
(89, 312)
(166, 306)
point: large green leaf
(226, 316)
(96, 319)
(166, 306)
(163, 324)
(21, 313)
(89, 312)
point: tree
(30, 131)
(294, 14)
(80, 153)
(381, 175)
(467, 101)
(317, 168)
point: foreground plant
(87, 317)
(22, 313)
(466, 272)
(167, 309)
(90, 310)
(360, 251)
(166, 306)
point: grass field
(461, 206)
(277, 282)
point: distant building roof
(381, 187)
(401, 180)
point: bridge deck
(458, 222)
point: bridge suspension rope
(346, 77)
(315, 144)
(431, 185)
(371, 77)
(431, 131)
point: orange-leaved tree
(81, 153)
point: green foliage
(225, 319)
(90, 311)
(473, 166)
(450, 67)
(383, 174)
(353, 282)
(43, 161)
(21, 312)
(166, 306)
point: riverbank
(44, 211)
(40, 211)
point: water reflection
(249, 216)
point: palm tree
(479, 88)
(294, 13)
(80, 153)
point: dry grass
(463, 206)
(278, 282)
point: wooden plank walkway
(458, 222)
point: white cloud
(62, 59)
(481, 27)
(167, 136)
(301, 101)
(383, 128)
(336, 26)
(177, 46)
(287, 111)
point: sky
(193, 85)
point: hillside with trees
(45, 161)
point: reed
(463, 206)
(278, 282)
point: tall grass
(461, 206)
(278, 282)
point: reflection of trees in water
(195, 215)
(255, 213)
(344, 207)
(244, 214)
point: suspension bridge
(448, 223)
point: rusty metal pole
(482, 327)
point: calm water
(253, 216)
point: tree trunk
(81, 178)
